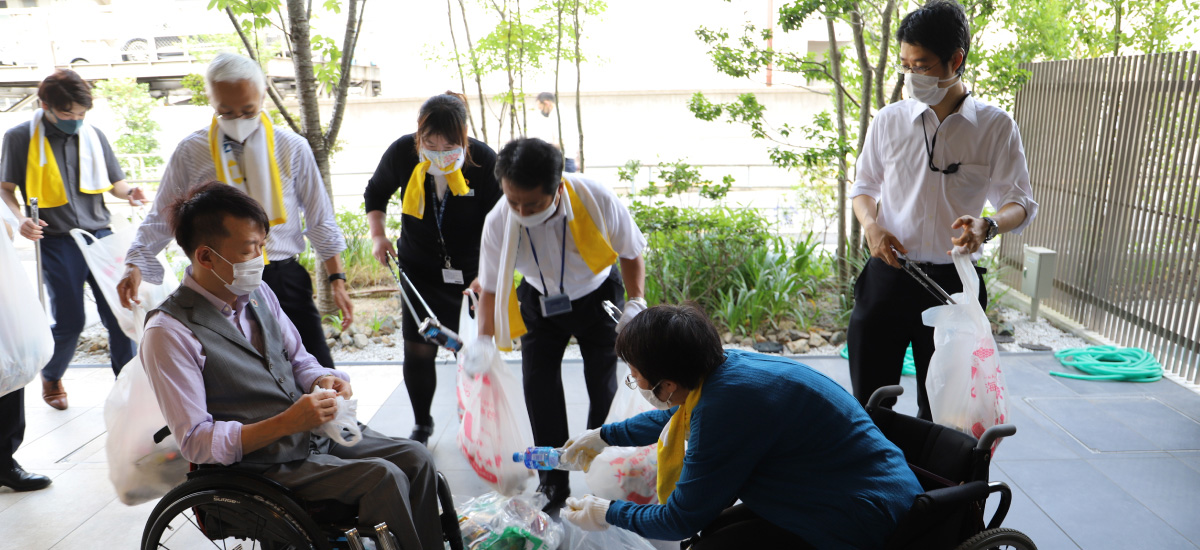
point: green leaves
(131, 103)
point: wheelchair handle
(884, 393)
(992, 434)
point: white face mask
(247, 276)
(239, 128)
(655, 401)
(925, 88)
(444, 162)
(536, 219)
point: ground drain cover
(1121, 424)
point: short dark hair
(547, 96)
(63, 88)
(199, 218)
(445, 115)
(530, 163)
(669, 342)
(939, 26)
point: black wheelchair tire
(1000, 538)
(251, 496)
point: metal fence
(1113, 146)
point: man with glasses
(241, 147)
(928, 165)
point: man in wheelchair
(238, 389)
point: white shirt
(918, 205)
(610, 216)
(309, 210)
(546, 129)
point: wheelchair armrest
(883, 393)
(974, 491)
(1005, 501)
(992, 434)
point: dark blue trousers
(65, 271)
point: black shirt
(462, 225)
(83, 210)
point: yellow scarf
(593, 246)
(670, 453)
(414, 194)
(252, 177)
(43, 180)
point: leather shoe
(19, 480)
(556, 494)
(421, 433)
(54, 394)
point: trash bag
(496, 522)
(626, 403)
(26, 342)
(105, 259)
(343, 429)
(625, 473)
(965, 384)
(613, 538)
(139, 469)
(494, 424)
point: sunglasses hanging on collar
(953, 167)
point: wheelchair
(952, 468)
(219, 507)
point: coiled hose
(1109, 363)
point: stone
(1034, 347)
(773, 338)
(838, 338)
(794, 335)
(377, 340)
(747, 341)
(727, 337)
(516, 344)
(330, 342)
(817, 341)
(346, 339)
(797, 347)
(331, 332)
(787, 325)
(1005, 339)
(768, 347)
(361, 341)
(759, 338)
(387, 341)
(388, 327)
(1006, 329)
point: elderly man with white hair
(241, 147)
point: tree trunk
(864, 111)
(881, 67)
(562, 145)
(349, 43)
(578, 86)
(1117, 28)
(508, 67)
(276, 97)
(310, 122)
(475, 69)
(521, 74)
(835, 58)
(462, 81)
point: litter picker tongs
(37, 250)
(923, 278)
(430, 328)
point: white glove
(588, 512)
(581, 450)
(633, 306)
(480, 355)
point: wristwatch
(341, 276)
(992, 230)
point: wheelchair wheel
(999, 539)
(204, 514)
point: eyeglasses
(629, 381)
(916, 70)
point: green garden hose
(909, 369)
(1110, 363)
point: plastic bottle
(539, 458)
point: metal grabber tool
(923, 278)
(37, 250)
(430, 328)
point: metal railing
(1113, 146)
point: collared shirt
(174, 363)
(309, 210)
(84, 211)
(613, 220)
(918, 205)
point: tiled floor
(1093, 466)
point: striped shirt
(309, 210)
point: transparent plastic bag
(343, 429)
(965, 384)
(496, 522)
(613, 538)
(105, 259)
(26, 342)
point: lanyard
(440, 212)
(563, 259)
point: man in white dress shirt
(275, 167)
(928, 165)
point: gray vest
(240, 384)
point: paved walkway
(1093, 466)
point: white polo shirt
(918, 205)
(610, 216)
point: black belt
(283, 262)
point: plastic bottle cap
(516, 457)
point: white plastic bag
(139, 468)
(613, 538)
(494, 425)
(106, 260)
(343, 429)
(626, 403)
(965, 384)
(26, 342)
(625, 473)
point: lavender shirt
(174, 363)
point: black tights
(420, 377)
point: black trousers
(888, 304)
(293, 286)
(738, 527)
(12, 426)
(542, 350)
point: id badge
(553, 306)
(452, 276)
